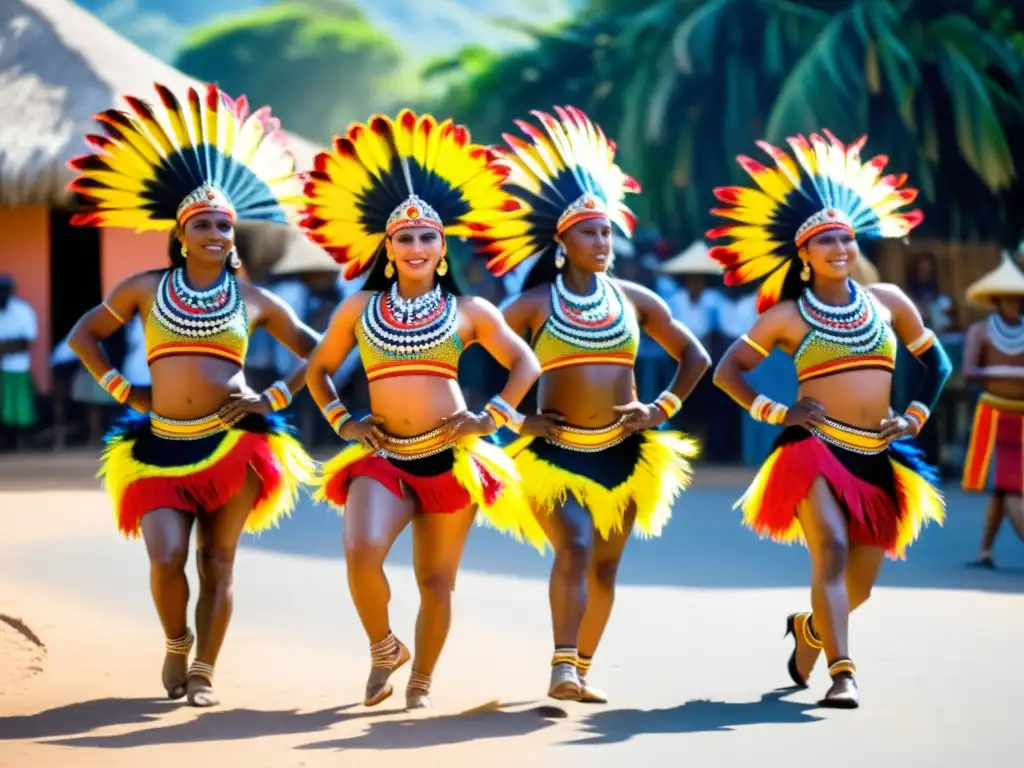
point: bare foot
(200, 693)
(377, 686)
(175, 674)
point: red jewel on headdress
(210, 195)
(412, 212)
(831, 213)
(590, 203)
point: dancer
(387, 199)
(601, 470)
(994, 356)
(840, 478)
(202, 447)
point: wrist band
(278, 395)
(336, 415)
(922, 343)
(116, 385)
(918, 414)
(503, 413)
(669, 403)
(767, 410)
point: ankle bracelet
(565, 655)
(840, 666)
(384, 652)
(180, 645)
(418, 682)
(202, 670)
(810, 636)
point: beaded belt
(417, 447)
(192, 429)
(997, 403)
(850, 438)
(590, 440)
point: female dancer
(386, 199)
(209, 451)
(600, 467)
(835, 478)
(994, 356)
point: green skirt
(17, 399)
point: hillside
(423, 28)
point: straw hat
(693, 261)
(1005, 280)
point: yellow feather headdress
(386, 175)
(564, 174)
(153, 172)
(827, 187)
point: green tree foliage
(318, 70)
(685, 85)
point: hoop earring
(389, 270)
(805, 273)
(184, 251)
(560, 257)
(442, 268)
(234, 259)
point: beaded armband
(336, 415)
(117, 385)
(767, 410)
(278, 395)
(503, 413)
(754, 345)
(917, 414)
(669, 403)
(922, 343)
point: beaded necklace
(409, 328)
(595, 321)
(184, 311)
(1007, 338)
(856, 326)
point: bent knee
(364, 555)
(216, 564)
(574, 557)
(437, 586)
(829, 557)
(606, 572)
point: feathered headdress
(386, 175)
(153, 172)
(827, 188)
(564, 174)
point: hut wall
(124, 253)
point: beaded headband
(204, 198)
(586, 206)
(414, 211)
(823, 221)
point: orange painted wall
(25, 254)
(124, 253)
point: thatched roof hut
(60, 65)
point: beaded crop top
(184, 321)
(599, 329)
(417, 337)
(843, 338)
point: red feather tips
(407, 119)
(878, 162)
(511, 205)
(167, 98)
(911, 218)
(380, 126)
(98, 142)
(87, 219)
(478, 227)
(750, 165)
(719, 232)
(833, 140)
(729, 195)
(630, 184)
(461, 135)
(88, 163)
(352, 134)
(725, 256)
(767, 298)
(212, 97)
(140, 108)
(906, 195)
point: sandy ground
(693, 658)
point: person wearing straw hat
(994, 356)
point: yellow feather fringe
(119, 470)
(509, 514)
(661, 474)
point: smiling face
(831, 254)
(416, 251)
(588, 244)
(208, 236)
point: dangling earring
(234, 260)
(805, 273)
(184, 251)
(442, 268)
(389, 270)
(560, 257)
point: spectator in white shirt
(18, 331)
